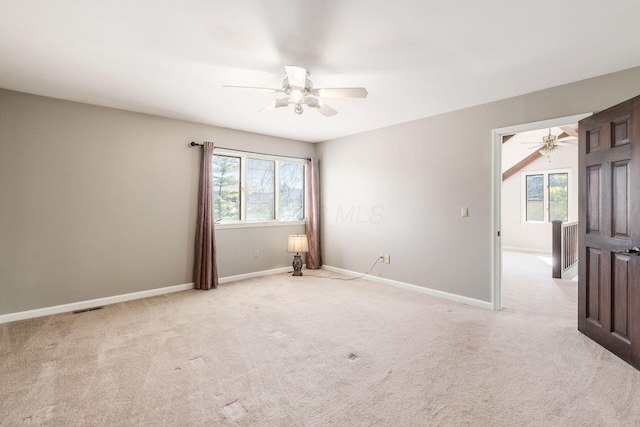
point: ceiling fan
(551, 142)
(297, 89)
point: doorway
(538, 207)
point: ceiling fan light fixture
(298, 90)
(296, 96)
(547, 151)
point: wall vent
(84, 310)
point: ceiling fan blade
(263, 89)
(312, 101)
(537, 146)
(268, 107)
(342, 92)
(325, 110)
(297, 76)
(317, 104)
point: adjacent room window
(257, 189)
(535, 198)
(558, 196)
(546, 196)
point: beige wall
(408, 183)
(97, 202)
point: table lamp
(297, 243)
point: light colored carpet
(284, 351)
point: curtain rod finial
(195, 144)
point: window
(291, 191)
(260, 190)
(535, 198)
(226, 187)
(546, 196)
(559, 196)
(252, 189)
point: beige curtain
(312, 214)
(205, 271)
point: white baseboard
(255, 274)
(81, 305)
(414, 288)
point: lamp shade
(298, 243)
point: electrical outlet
(256, 253)
(386, 259)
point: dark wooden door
(609, 188)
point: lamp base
(297, 265)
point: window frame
(546, 203)
(240, 179)
(243, 222)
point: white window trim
(545, 173)
(276, 222)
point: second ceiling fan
(550, 142)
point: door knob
(633, 251)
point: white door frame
(496, 194)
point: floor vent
(84, 310)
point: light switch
(465, 212)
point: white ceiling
(417, 58)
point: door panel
(621, 296)
(609, 188)
(593, 194)
(620, 198)
(593, 286)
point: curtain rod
(195, 144)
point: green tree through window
(546, 196)
(226, 183)
(559, 197)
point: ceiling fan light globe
(296, 96)
(281, 102)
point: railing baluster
(564, 247)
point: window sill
(258, 224)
